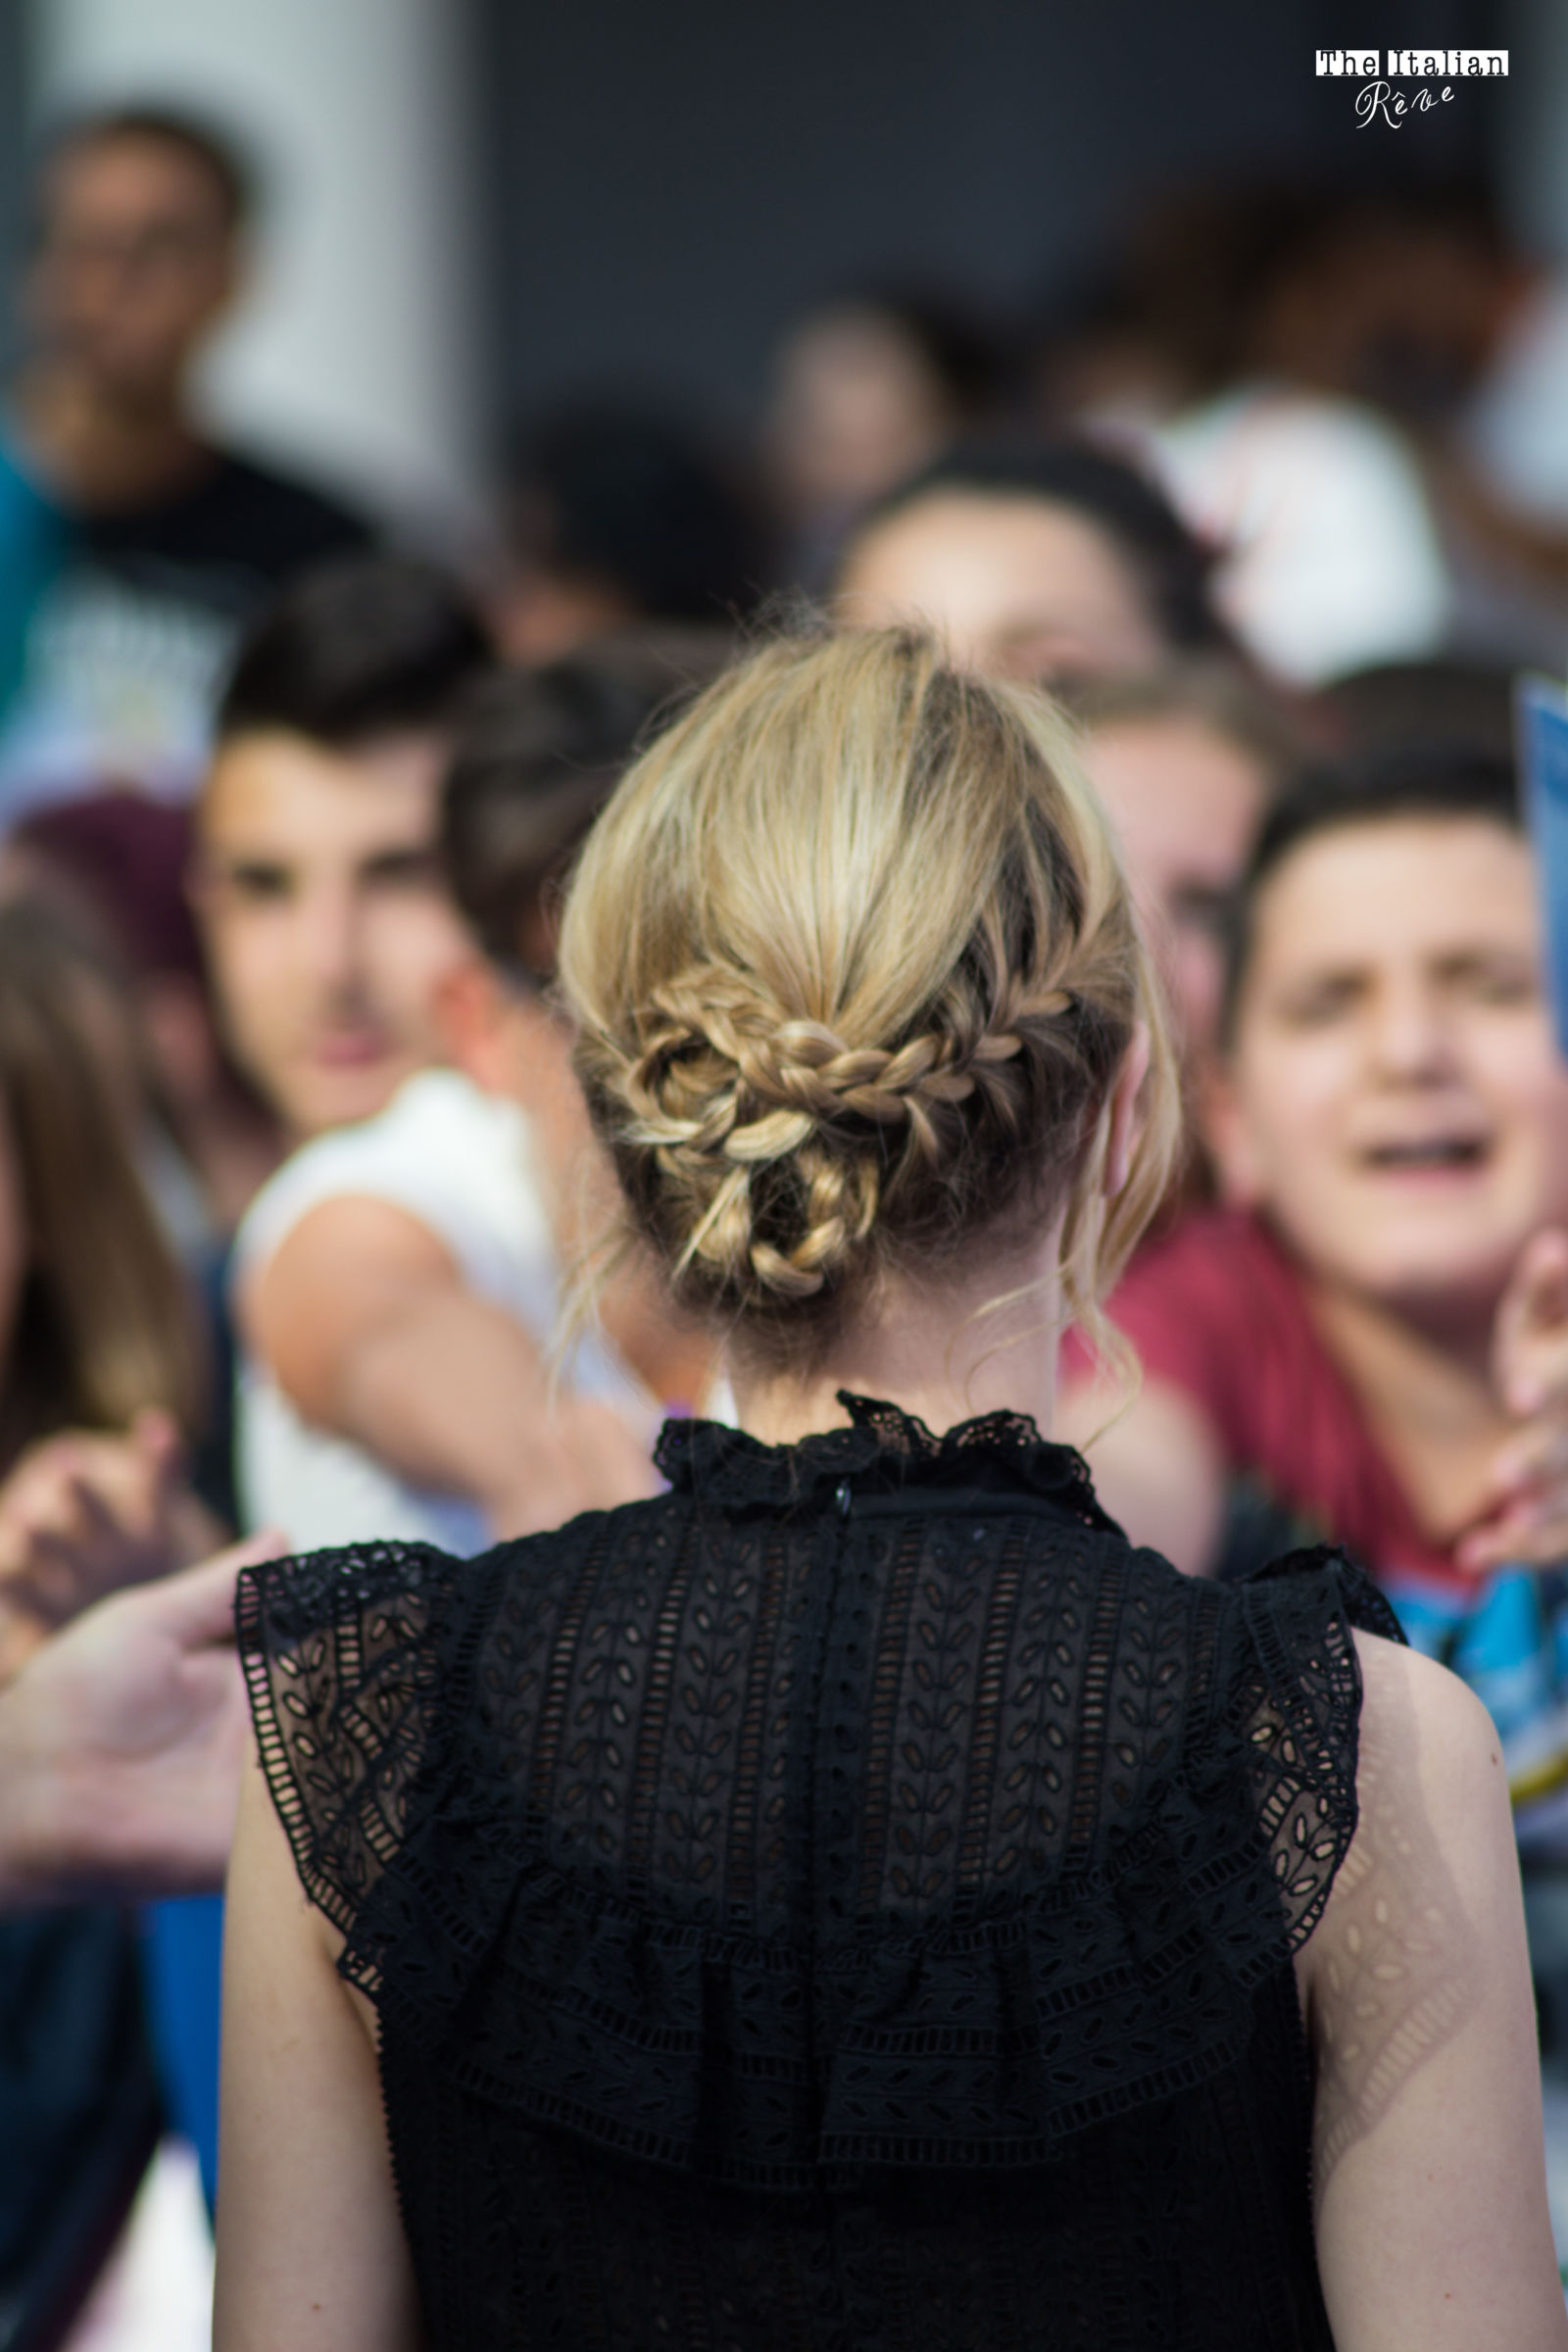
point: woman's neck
(943, 1351)
(1427, 1396)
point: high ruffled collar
(884, 1451)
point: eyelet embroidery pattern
(818, 1856)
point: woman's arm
(311, 2250)
(1433, 2229)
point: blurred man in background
(316, 882)
(1035, 562)
(168, 541)
(400, 1283)
(315, 876)
(1388, 1114)
(868, 388)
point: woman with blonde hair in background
(855, 1898)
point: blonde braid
(721, 1089)
(854, 966)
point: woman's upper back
(863, 1815)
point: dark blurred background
(639, 196)
(671, 186)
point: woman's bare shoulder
(1396, 1963)
(1432, 2219)
(1421, 1724)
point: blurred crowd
(294, 1173)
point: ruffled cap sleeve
(1292, 1696)
(339, 1655)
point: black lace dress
(848, 1901)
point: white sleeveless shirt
(464, 1164)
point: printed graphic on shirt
(118, 686)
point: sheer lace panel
(343, 1677)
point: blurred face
(855, 409)
(1186, 803)
(135, 261)
(329, 930)
(1395, 1099)
(1017, 588)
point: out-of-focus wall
(361, 349)
(671, 183)
(1533, 154)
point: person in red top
(1219, 1311)
(1373, 1333)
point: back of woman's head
(855, 969)
(100, 1323)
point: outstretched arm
(311, 2250)
(365, 1322)
(1433, 2227)
(121, 1745)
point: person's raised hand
(1525, 1517)
(84, 1514)
(121, 1742)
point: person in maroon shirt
(1374, 1330)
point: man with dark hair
(327, 925)
(399, 1283)
(168, 541)
(1045, 560)
(1372, 1328)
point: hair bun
(854, 966)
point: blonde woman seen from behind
(855, 1897)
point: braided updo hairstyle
(854, 968)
